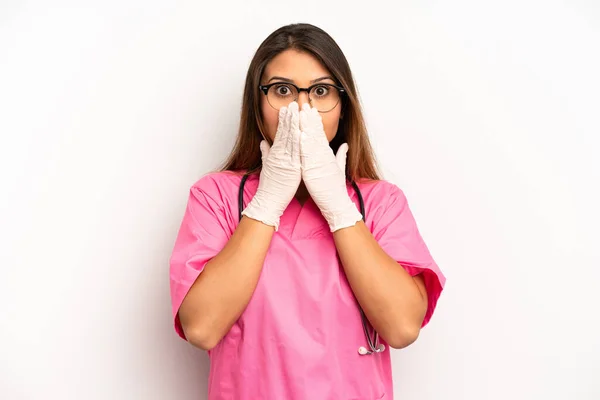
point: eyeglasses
(322, 96)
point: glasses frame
(265, 90)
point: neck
(302, 193)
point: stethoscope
(372, 340)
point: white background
(486, 113)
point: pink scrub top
(298, 338)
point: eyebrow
(281, 78)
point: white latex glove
(280, 175)
(324, 173)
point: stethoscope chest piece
(363, 350)
(373, 341)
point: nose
(303, 98)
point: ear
(340, 157)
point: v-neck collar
(303, 221)
(300, 221)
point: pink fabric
(298, 338)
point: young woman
(275, 272)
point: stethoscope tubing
(372, 340)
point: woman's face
(303, 70)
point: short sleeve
(202, 235)
(397, 233)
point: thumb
(264, 149)
(340, 157)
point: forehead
(296, 65)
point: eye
(321, 90)
(282, 90)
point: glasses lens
(324, 97)
(281, 95)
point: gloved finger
(316, 119)
(304, 148)
(315, 122)
(281, 129)
(306, 107)
(304, 124)
(282, 112)
(288, 130)
(294, 116)
(264, 149)
(295, 132)
(340, 157)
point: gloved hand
(280, 175)
(324, 173)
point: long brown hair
(360, 162)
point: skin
(394, 302)
(303, 70)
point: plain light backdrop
(486, 113)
